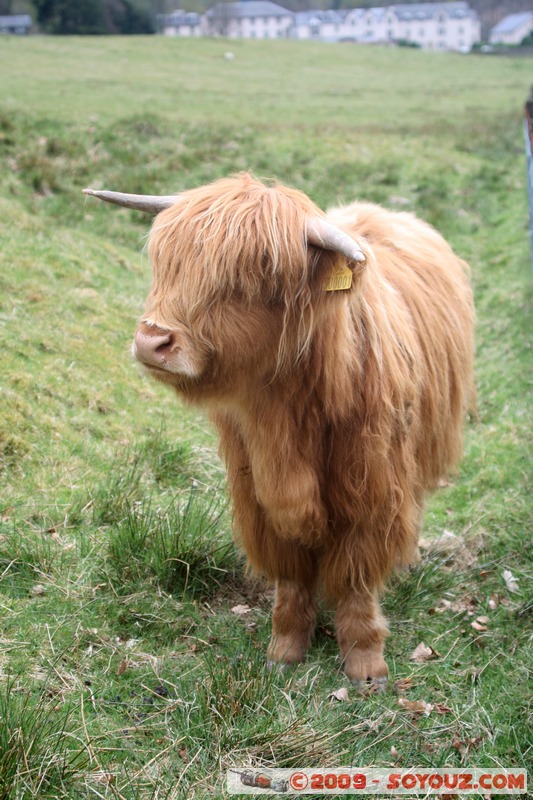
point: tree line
(87, 17)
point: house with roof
(18, 24)
(432, 26)
(253, 19)
(371, 25)
(437, 26)
(512, 29)
(326, 26)
(179, 23)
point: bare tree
(220, 19)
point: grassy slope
(116, 574)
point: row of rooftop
(438, 26)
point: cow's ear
(330, 270)
(323, 234)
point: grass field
(125, 671)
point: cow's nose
(153, 345)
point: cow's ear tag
(339, 280)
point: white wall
(441, 32)
(515, 36)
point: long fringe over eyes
(239, 239)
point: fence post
(528, 130)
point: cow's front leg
(361, 630)
(293, 621)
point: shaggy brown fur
(337, 411)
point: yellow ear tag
(339, 280)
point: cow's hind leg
(361, 630)
(293, 621)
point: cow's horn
(323, 234)
(142, 202)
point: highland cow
(334, 356)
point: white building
(326, 26)
(18, 24)
(253, 19)
(436, 26)
(433, 26)
(512, 29)
(180, 23)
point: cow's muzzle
(154, 346)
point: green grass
(124, 672)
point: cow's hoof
(364, 666)
(372, 684)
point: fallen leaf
(441, 607)
(482, 620)
(240, 610)
(123, 666)
(463, 746)
(494, 601)
(37, 590)
(440, 708)
(466, 604)
(457, 743)
(183, 753)
(394, 753)
(340, 694)
(478, 626)
(423, 653)
(403, 685)
(415, 707)
(510, 581)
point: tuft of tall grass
(114, 497)
(39, 754)
(26, 557)
(181, 546)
